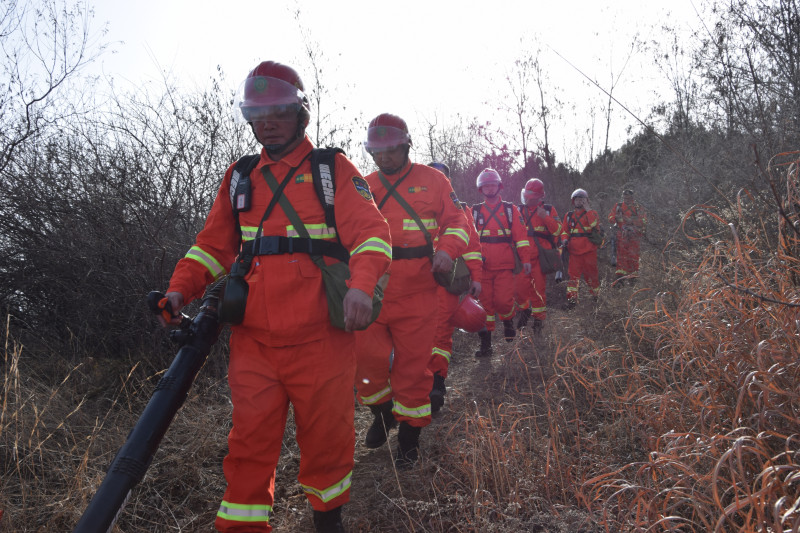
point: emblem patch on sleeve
(455, 200)
(362, 187)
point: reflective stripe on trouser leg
(373, 361)
(443, 340)
(263, 379)
(408, 324)
(497, 296)
(523, 288)
(538, 292)
(322, 396)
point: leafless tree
(43, 45)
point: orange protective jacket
(429, 193)
(628, 217)
(472, 255)
(286, 303)
(497, 226)
(577, 225)
(547, 230)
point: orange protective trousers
(497, 295)
(407, 324)
(627, 255)
(586, 265)
(530, 291)
(443, 341)
(317, 378)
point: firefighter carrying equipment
(334, 275)
(596, 236)
(480, 224)
(458, 279)
(469, 316)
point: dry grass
(673, 406)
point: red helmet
(488, 176)
(270, 87)
(534, 190)
(469, 315)
(386, 131)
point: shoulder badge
(362, 187)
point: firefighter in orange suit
(285, 349)
(421, 208)
(629, 220)
(502, 231)
(448, 302)
(578, 224)
(544, 227)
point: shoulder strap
(509, 209)
(323, 165)
(240, 185)
(392, 191)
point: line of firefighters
(404, 218)
(519, 246)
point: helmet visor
(385, 138)
(262, 96)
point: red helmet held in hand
(469, 315)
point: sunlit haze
(426, 61)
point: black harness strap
(412, 252)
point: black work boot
(508, 330)
(437, 392)
(537, 326)
(522, 318)
(486, 343)
(407, 446)
(328, 521)
(384, 421)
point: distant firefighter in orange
(629, 221)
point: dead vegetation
(669, 406)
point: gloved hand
(475, 289)
(442, 262)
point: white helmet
(487, 176)
(579, 193)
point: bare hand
(475, 289)
(175, 299)
(441, 262)
(357, 309)
(541, 212)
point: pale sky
(413, 58)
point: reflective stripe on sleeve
(373, 244)
(239, 512)
(331, 492)
(523, 244)
(469, 256)
(458, 232)
(207, 260)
